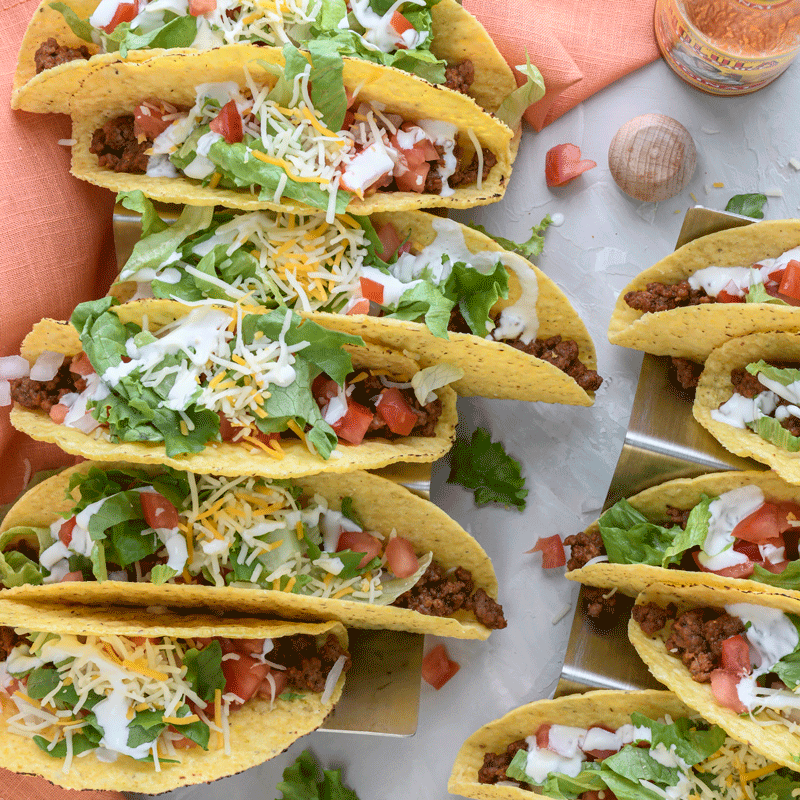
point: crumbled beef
(459, 77)
(792, 424)
(697, 637)
(687, 372)
(746, 384)
(117, 147)
(50, 54)
(585, 545)
(665, 297)
(599, 601)
(495, 764)
(8, 641)
(678, 516)
(651, 617)
(46, 394)
(561, 353)
(433, 181)
(487, 611)
(467, 174)
(307, 666)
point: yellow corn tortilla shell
(228, 458)
(693, 332)
(257, 732)
(775, 742)
(631, 579)
(382, 506)
(715, 388)
(457, 36)
(611, 708)
(115, 89)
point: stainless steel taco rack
(663, 442)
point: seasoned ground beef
(687, 372)
(307, 666)
(495, 764)
(585, 545)
(117, 147)
(46, 394)
(678, 516)
(746, 384)
(792, 424)
(599, 601)
(460, 77)
(561, 353)
(50, 54)
(651, 617)
(466, 174)
(697, 637)
(665, 297)
(8, 641)
(439, 595)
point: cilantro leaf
(748, 205)
(301, 782)
(486, 468)
(534, 245)
(204, 670)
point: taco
(101, 700)
(747, 398)
(727, 284)
(734, 529)
(354, 547)
(627, 745)
(218, 389)
(406, 280)
(730, 654)
(441, 42)
(276, 132)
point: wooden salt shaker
(652, 157)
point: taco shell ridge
(116, 89)
(424, 524)
(457, 35)
(613, 707)
(694, 331)
(714, 388)
(257, 733)
(775, 742)
(227, 458)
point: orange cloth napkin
(580, 46)
(24, 787)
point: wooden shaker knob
(652, 157)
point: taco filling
(395, 34)
(748, 653)
(150, 698)
(349, 266)
(305, 139)
(767, 401)
(738, 534)
(650, 758)
(772, 280)
(215, 375)
(248, 533)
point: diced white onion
(47, 366)
(5, 393)
(12, 367)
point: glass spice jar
(728, 47)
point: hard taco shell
(257, 732)
(382, 506)
(694, 331)
(715, 388)
(227, 458)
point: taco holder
(663, 442)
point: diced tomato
(65, 531)
(400, 23)
(228, 123)
(372, 290)
(750, 549)
(125, 13)
(730, 294)
(396, 412)
(149, 121)
(390, 242)
(360, 542)
(58, 413)
(72, 576)
(266, 438)
(248, 646)
(354, 424)
(543, 736)
(158, 511)
(764, 523)
(743, 570)
(81, 365)
(226, 430)
(350, 97)
(401, 558)
(280, 680)
(552, 549)
(596, 794)
(776, 568)
(790, 280)
(361, 306)
(413, 179)
(184, 743)
(563, 163)
(736, 656)
(723, 687)
(199, 7)
(412, 170)
(243, 676)
(437, 668)
(324, 389)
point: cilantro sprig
(301, 782)
(748, 205)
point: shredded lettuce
(516, 104)
(301, 781)
(748, 205)
(529, 249)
